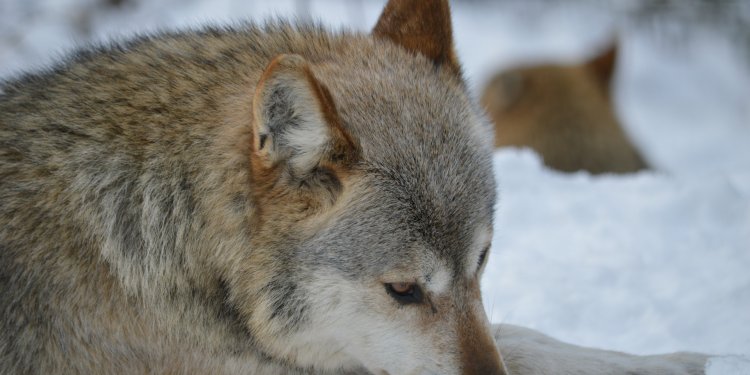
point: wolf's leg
(529, 352)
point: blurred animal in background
(565, 114)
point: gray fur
(145, 228)
(127, 197)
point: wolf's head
(373, 196)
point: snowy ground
(653, 262)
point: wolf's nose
(489, 364)
(482, 357)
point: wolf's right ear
(421, 26)
(603, 66)
(295, 122)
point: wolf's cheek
(353, 323)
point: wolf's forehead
(443, 207)
(430, 159)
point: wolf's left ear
(296, 124)
(421, 26)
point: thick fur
(229, 201)
(564, 113)
(237, 200)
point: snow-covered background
(652, 262)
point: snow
(645, 263)
(728, 365)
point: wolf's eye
(404, 293)
(483, 257)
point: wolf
(275, 199)
(259, 199)
(564, 113)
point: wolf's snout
(479, 355)
(485, 362)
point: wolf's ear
(422, 26)
(296, 124)
(603, 66)
(504, 91)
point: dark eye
(483, 257)
(404, 293)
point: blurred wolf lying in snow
(261, 200)
(565, 114)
